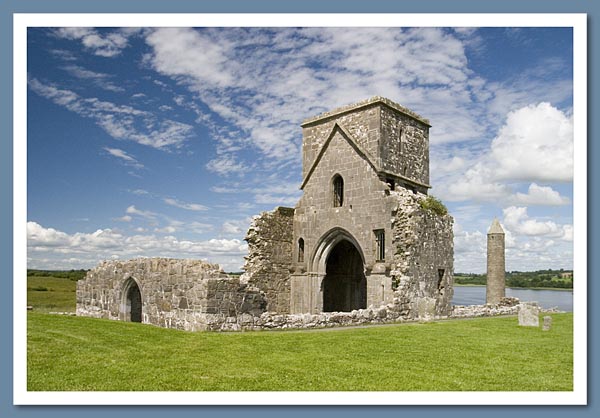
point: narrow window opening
(301, 250)
(440, 283)
(400, 134)
(338, 191)
(391, 182)
(380, 244)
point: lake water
(475, 295)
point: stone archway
(345, 284)
(131, 306)
(333, 283)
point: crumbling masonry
(364, 244)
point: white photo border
(23, 21)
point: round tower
(495, 264)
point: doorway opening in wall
(133, 301)
(345, 284)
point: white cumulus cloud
(536, 143)
(540, 195)
(518, 221)
(57, 249)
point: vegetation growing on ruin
(549, 279)
(495, 354)
(434, 205)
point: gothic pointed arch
(318, 259)
(131, 301)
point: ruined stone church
(365, 243)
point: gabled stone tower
(362, 235)
(495, 288)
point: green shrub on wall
(435, 205)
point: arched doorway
(132, 302)
(344, 285)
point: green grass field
(488, 354)
(51, 294)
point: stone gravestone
(529, 314)
(547, 323)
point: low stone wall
(173, 293)
(506, 306)
(474, 311)
(389, 314)
(271, 320)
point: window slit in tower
(440, 278)
(391, 182)
(400, 140)
(301, 250)
(338, 191)
(380, 243)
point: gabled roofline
(360, 151)
(353, 143)
(365, 103)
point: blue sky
(165, 142)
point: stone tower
(360, 235)
(495, 264)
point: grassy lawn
(51, 294)
(495, 354)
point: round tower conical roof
(496, 228)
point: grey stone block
(529, 314)
(547, 323)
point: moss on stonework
(434, 205)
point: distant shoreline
(516, 288)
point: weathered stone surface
(359, 244)
(495, 288)
(547, 323)
(381, 151)
(269, 259)
(423, 253)
(182, 294)
(424, 308)
(529, 314)
(477, 311)
(389, 132)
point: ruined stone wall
(423, 256)
(404, 145)
(269, 261)
(389, 313)
(182, 294)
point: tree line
(62, 274)
(556, 279)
